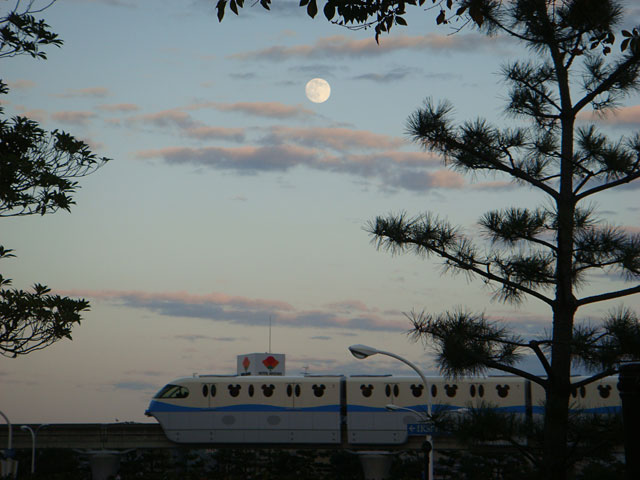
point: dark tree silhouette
(38, 172)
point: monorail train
(220, 409)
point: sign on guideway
(419, 429)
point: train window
(289, 390)
(503, 390)
(472, 390)
(434, 390)
(297, 390)
(451, 390)
(387, 390)
(604, 390)
(213, 390)
(396, 390)
(417, 390)
(268, 390)
(173, 391)
(234, 390)
(481, 391)
(318, 390)
(366, 390)
(205, 390)
(251, 390)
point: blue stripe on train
(156, 406)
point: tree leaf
(312, 8)
(329, 10)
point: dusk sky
(232, 199)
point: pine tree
(546, 253)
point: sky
(233, 201)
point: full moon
(317, 90)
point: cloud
(127, 385)
(167, 118)
(341, 139)
(340, 46)
(210, 133)
(119, 107)
(194, 338)
(247, 159)
(391, 169)
(38, 115)
(21, 84)
(92, 92)
(260, 109)
(625, 116)
(73, 118)
(392, 76)
(189, 126)
(244, 311)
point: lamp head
(362, 351)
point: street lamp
(363, 351)
(33, 433)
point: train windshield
(173, 391)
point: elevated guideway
(124, 435)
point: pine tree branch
(607, 83)
(594, 378)
(608, 296)
(615, 183)
(596, 265)
(515, 371)
(535, 346)
(490, 276)
(502, 166)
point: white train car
(369, 421)
(599, 397)
(250, 409)
(219, 409)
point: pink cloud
(405, 170)
(261, 109)
(119, 107)
(38, 115)
(447, 179)
(619, 116)
(248, 158)
(166, 118)
(342, 139)
(73, 117)
(245, 311)
(96, 92)
(183, 297)
(343, 46)
(21, 84)
(631, 229)
(202, 132)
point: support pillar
(376, 465)
(104, 465)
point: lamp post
(33, 433)
(8, 465)
(363, 351)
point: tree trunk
(556, 420)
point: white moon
(317, 90)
